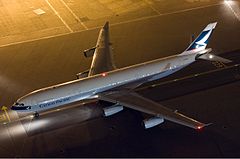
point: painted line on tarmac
(150, 6)
(114, 24)
(4, 109)
(54, 10)
(235, 13)
(175, 12)
(2, 117)
(75, 16)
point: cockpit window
(19, 104)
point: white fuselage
(90, 87)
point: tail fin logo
(201, 41)
(204, 40)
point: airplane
(104, 82)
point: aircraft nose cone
(13, 107)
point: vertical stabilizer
(102, 59)
(200, 43)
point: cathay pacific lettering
(49, 104)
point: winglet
(106, 26)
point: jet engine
(151, 122)
(108, 111)
(82, 74)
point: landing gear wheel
(36, 114)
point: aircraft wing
(102, 57)
(137, 102)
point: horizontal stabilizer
(212, 57)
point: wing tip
(106, 25)
(201, 126)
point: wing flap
(137, 102)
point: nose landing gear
(36, 115)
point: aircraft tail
(198, 46)
(200, 43)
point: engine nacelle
(108, 111)
(151, 122)
(82, 74)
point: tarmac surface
(42, 44)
